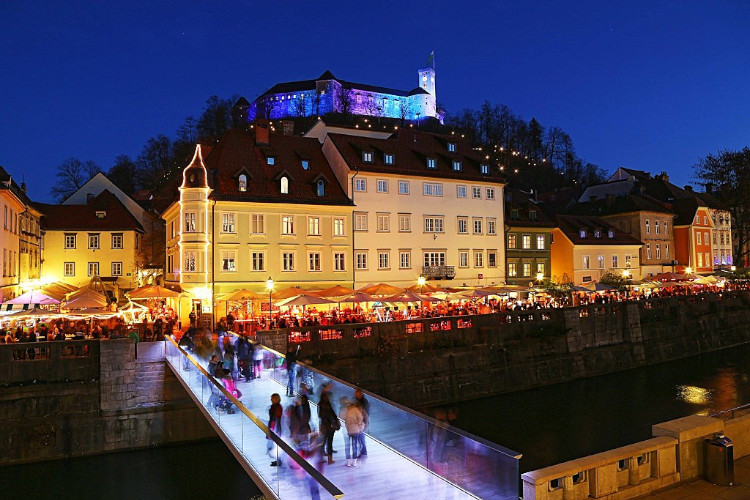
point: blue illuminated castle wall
(328, 94)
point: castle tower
(427, 80)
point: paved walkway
(703, 490)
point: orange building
(692, 237)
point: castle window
(485, 169)
(431, 163)
(242, 183)
(305, 164)
(271, 160)
(452, 147)
(321, 188)
(284, 185)
(388, 159)
(367, 156)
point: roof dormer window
(532, 215)
(367, 156)
(270, 160)
(452, 147)
(457, 166)
(305, 164)
(485, 169)
(320, 188)
(100, 214)
(582, 233)
(242, 183)
(284, 181)
(597, 233)
(610, 234)
(431, 163)
(388, 159)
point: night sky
(648, 85)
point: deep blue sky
(649, 85)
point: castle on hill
(328, 94)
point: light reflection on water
(561, 422)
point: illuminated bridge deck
(409, 455)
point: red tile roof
(236, 153)
(411, 149)
(83, 217)
(571, 226)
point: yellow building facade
(258, 207)
(99, 239)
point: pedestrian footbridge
(409, 455)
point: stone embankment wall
(88, 397)
(440, 361)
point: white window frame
(388, 159)
(94, 241)
(404, 259)
(360, 185)
(313, 225)
(478, 258)
(257, 224)
(190, 224)
(360, 259)
(360, 221)
(68, 239)
(93, 266)
(190, 262)
(476, 193)
(384, 259)
(476, 225)
(432, 163)
(116, 268)
(314, 262)
(492, 226)
(339, 261)
(382, 186)
(462, 225)
(513, 269)
(541, 242)
(287, 225)
(434, 224)
(404, 223)
(288, 261)
(586, 262)
(461, 191)
(69, 266)
(489, 193)
(384, 222)
(228, 261)
(525, 242)
(339, 226)
(403, 187)
(228, 223)
(117, 237)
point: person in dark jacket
(291, 368)
(275, 413)
(329, 423)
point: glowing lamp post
(269, 287)
(626, 274)
(540, 277)
(688, 270)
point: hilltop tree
(123, 173)
(729, 173)
(71, 175)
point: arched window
(284, 185)
(242, 182)
(321, 188)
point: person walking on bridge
(329, 423)
(275, 413)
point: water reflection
(565, 421)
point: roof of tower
(327, 76)
(418, 90)
(195, 175)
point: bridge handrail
(730, 410)
(304, 464)
(427, 418)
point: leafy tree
(614, 280)
(729, 173)
(71, 175)
(216, 118)
(122, 174)
(155, 162)
(558, 287)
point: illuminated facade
(259, 205)
(426, 205)
(585, 248)
(98, 239)
(328, 94)
(528, 237)
(12, 200)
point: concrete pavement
(703, 490)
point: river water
(548, 425)
(570, 420)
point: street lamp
(688, 270)
(421, 281)
(625, 273)
(540, 277)
(269, 287)
(733, 268)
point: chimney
(689, 189)
(663, 176)
(261, 132)
(89, 198)
(23, 187)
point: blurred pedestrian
(275, 413)
(354, 423)
(364, 404)
(329, 423)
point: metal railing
(207, 390)
(472, 464)
(731, 411)
(439, 272)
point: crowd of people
(64, 329)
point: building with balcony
(257, 205)
(13, 202)
(426, 204)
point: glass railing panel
(477, 466)
(248, 435)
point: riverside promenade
(700, 489)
